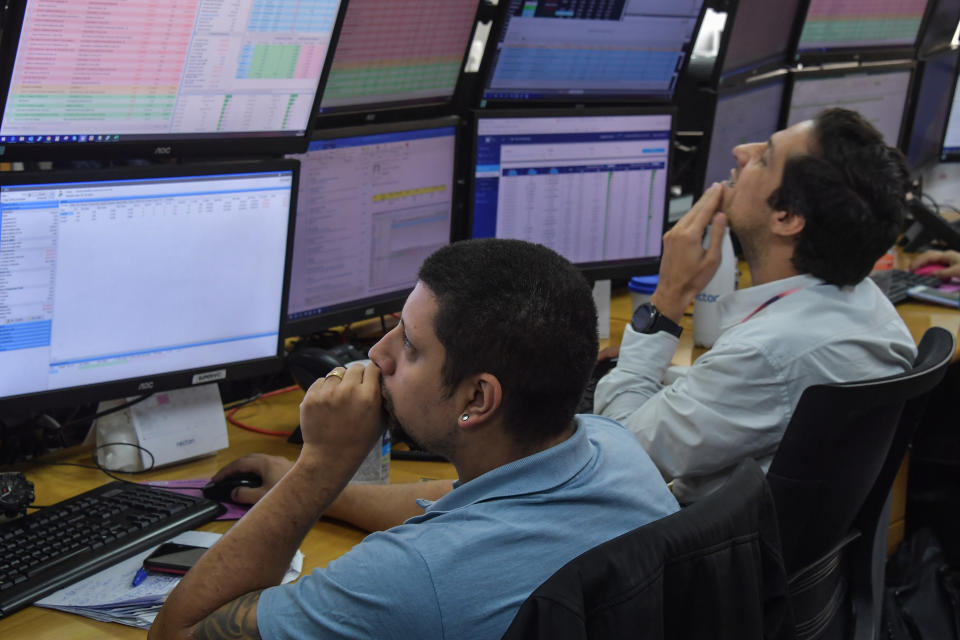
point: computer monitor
(393, 54)
(592, 50)
(861, 28)
(928, 118)
(939, 27)
(747, 113)
(84, 78)
(758, 36)
(592, 186)
(123, 281)
(374, 202)
(950, 150)
(878, 93)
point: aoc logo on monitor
(145, 386)
(162, 151)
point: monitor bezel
(916, 89)
(734, 77)
(387, 303)
(488, 67)
(593, 271)
(396, 111)
(40, 401)
(757, 82)
(185, 145)
(854, 68)
(858, 53)
(932, 38)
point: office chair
(710, 571)
(831, 478)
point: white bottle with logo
(706, 312)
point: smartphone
(937, 296)
(172, 557)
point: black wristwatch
(648, 319)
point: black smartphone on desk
(172, 557)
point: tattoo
(236, 619)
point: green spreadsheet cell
(273, 61)
(859, 29)
(348, 84)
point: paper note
(181, 424)
(109, 596)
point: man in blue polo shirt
(490, 358)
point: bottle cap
(643, 284)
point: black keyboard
(68, 541)
(901, 281)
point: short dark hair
(523, 313)
(851, 191)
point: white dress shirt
(736, 399)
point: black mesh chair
(710, 571)
(831, 478)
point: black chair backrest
(841, 451)
(711, 570)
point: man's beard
(397, 432)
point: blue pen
(140, 577)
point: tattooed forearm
(236, 619)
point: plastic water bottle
(375, 468)
(706, 311)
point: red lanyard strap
(769, 302)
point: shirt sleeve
(382, 588)
(730, 404)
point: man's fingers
(371, 380)
(704, 208)
(718, 227)
(928, 257)
(353, 375)
(246, 495)
(240, 465)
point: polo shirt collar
(539, 472)
(735, 307)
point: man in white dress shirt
(813, 208)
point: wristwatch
(648, 319)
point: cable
(236, 404)
(121, 407)
(97, 465)
(268, 432)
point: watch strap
(656, 321)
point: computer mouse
(929, 269)
(222, 489)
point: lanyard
(769, 302)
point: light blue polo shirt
(463, 568)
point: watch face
(643, 317)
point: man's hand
(269, 468)
(341, 419)
(950, 259)
(686, 267)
